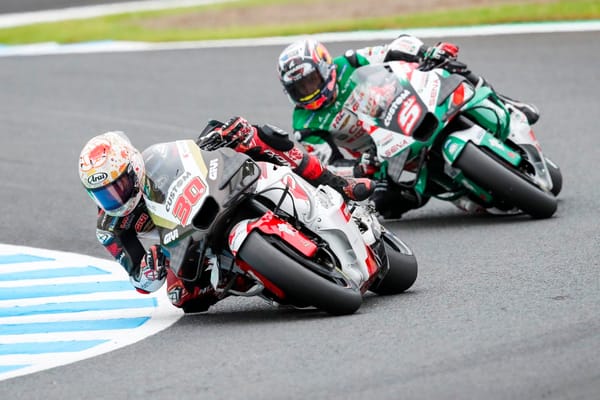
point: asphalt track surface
(18, 6)
(502, 308)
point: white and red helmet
(112, 171)
(308, 74)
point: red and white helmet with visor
(307, 74)
(112, 171)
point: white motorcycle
(225, 218)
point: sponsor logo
(139, 224)
(395, 148)
(126, 222)
(394, 107)
(213, 168)
(341, 119)
(97, 178)
(178, 184)
(285, 228)
(278, 157)
(409, 114)
(433, 86)
(171, 236)
(104, 237)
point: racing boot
(391, 201)
(356, 189)
(191, 301)
(531, 112)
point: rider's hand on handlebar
(441, 52)
(237, 128)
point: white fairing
(321, 209)
(196, 172)
(522, 134)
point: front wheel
(300, 285)
(555, 175)
(505, 184)
(402, 272)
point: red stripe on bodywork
(459, 94)
(372, 269)
(273, 225)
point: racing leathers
(122, 237)
(148, 268)
(272, 144)
(335, 135)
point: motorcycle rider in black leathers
(112, 171)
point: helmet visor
(117, 193)
(307, 88)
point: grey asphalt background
(503, 308)
(18, 6)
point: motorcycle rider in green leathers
(319, 86)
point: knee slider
(275, 137)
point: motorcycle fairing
(488, 111)
(186, 190)
(270, 224)
(323, 211)
(456, 141)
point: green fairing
(489, 112)
(452, 148)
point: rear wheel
(505, 184)
(301, 285)
(402, 271)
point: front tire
(300, 285)
(505, 184)
(402, 272)
(555, 175)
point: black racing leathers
(119, 235)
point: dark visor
(306, 88)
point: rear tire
(505, 184)
(402, 271)
(301, 286)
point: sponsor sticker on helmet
(97, 178)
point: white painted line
(71, 13)
(76, 318)
(424, 33)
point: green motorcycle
(439, 136)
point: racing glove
(441, 52)
(237, 129)
(153, 271)
(444, 55)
